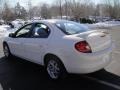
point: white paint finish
(34, 48)
(16, 46)
(61, 45)
(99, 41)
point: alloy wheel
(53, 69)
(6, 51)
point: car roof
(51, 20)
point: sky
(35, 2)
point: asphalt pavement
(18, 74)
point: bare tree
(20, 11)
(54, 11)
(23, 13)
(8, 14)
(36, 11)
(87, 8)
(66, 8)
(112, 7)
(30, 11)
(59, 4)
(1, 8)
(75, 9)
(45, 13)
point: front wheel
(6, 51)
(55, 68)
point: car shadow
(18, 74)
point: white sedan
(61, 46)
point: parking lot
(115, 65)
(18, 74)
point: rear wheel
(55, 68)
(6, 51)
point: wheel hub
(53, 69)
(6, 51)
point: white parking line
(117, 52)
(1, 87)
(104, 82)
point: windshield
(69, 27)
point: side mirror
(12, 35)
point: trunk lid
(98, 40)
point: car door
(35, 46)
(17, 43)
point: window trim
(62, 30)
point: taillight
(83, 47)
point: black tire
(59, 72)
(6, 51)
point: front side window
(24, 32)
(41, 31)
(70, 27)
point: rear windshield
(69, 27)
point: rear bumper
(87, 63)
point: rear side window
(70, 28)
(40, 31)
